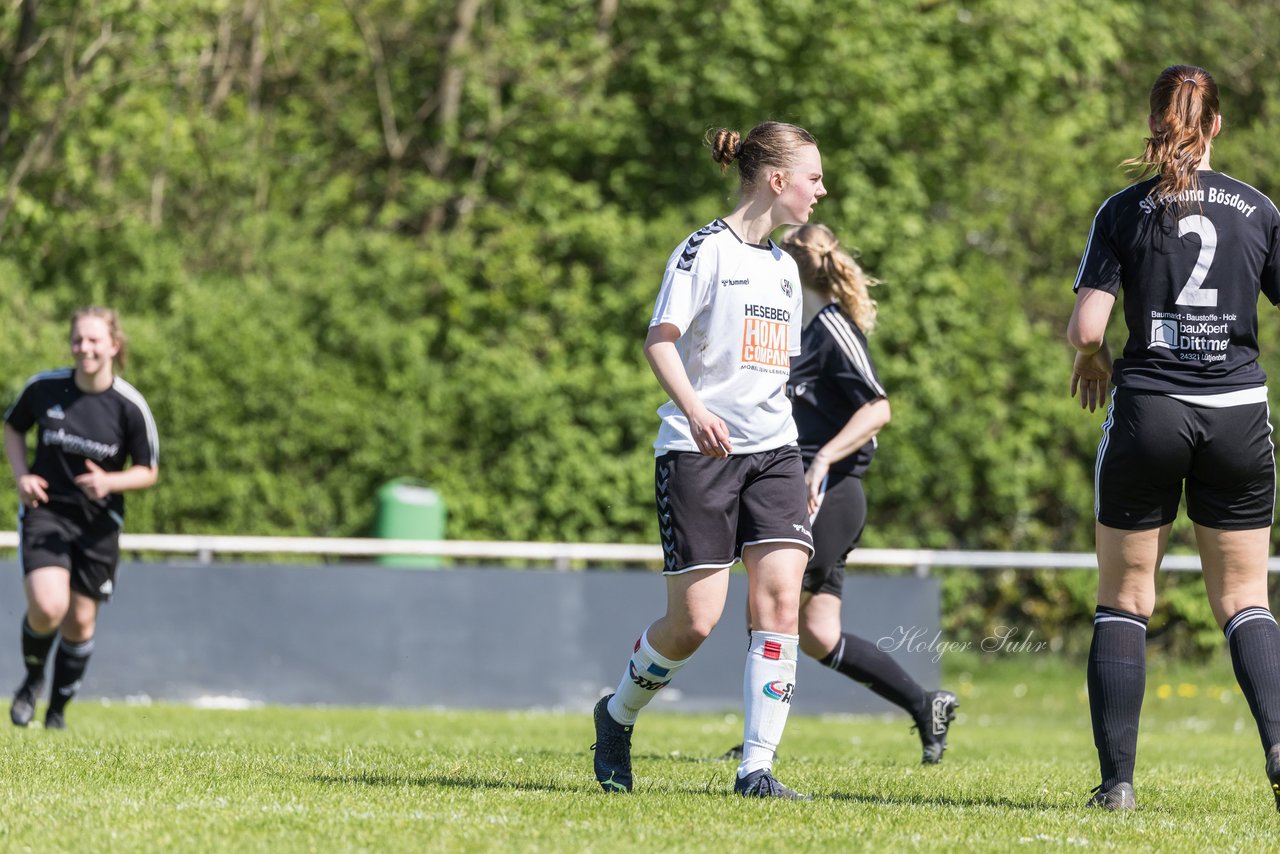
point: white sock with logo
(647, 673)
(767, 685)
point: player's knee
(77, 628)
(698, 630)
(778, 611)
(46, 613)
(816, 639)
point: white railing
(563, 555)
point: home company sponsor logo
(765, 337)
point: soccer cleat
(24, 703)
(54, 720)
(733, 753)
(940, 706)
(1118, 798)
(613, 750)
(1273, 772)
(762, 784)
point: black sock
(864, 662)
(1117, 678)
(1254, 640)
(68, 670)
(35, 651)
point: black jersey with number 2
(1191, 270)
(73, 426)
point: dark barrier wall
(478, 638)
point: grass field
(1021, 764)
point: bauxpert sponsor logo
(1164, 333)
(1195, 336)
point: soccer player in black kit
(840, 406)
(1191, 249)
(95, 438)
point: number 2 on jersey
(1191, 294)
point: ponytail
(827, 269)
(1184, 105)
(767, 144)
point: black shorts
(65, 535)
(837, 527)
(710, 508)
(1152, 444)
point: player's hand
(813, 478)
(710, 434)
(1090, 377)
(33, 490)
(93, 482)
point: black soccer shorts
(710, 509)
(837, 527)
(1153, 444)
(65, 535)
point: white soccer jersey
(738, 309)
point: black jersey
(1191, 271)
(831, 379)
(74, 426)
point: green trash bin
(409, 509)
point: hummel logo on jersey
(106, 588)
(695, 241)
(734, 283)
(55, 411)
(802, 529)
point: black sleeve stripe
(131, 394)
(839, 327)
(694, 243)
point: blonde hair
(767, 144)
(830, 271)
(1184, 105)
(112, 319)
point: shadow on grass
(945, 801)
(459, 781)
(716, 787)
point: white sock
(647, 673)
(767, 684)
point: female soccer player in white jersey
(729, 477)
(1191, 249)
(840, 406)
(88, 422)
